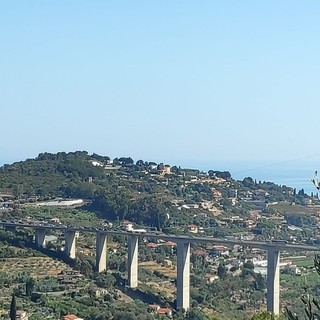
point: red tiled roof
(220, 248)
(152, 245)
(70, 317)
(164, 311)
(170, 243)
(154, 307)
(200, 253)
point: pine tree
(13, 308)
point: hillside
(142, 191)
(169, 198)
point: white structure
(60, 203)
(101, 252)
(183, 275)
(132, 261)
(40, 237)
(273, 281)
(70, 244)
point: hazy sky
(168, 80)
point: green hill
(144, 192)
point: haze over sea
(293, 173)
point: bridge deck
(264, 245)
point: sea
(294, 173)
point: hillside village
(121, 194)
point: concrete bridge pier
(70, 244)
(40, 237)
(132, 261)
(273, 281)
(183, 275)
(101, 252)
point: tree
(221, 271)
(195, 314)
(248, 183)
(248, 265)
(312, 305)
(211, 173)
(13, 308)
(266, 316)
(260, 281)
(30, 286)
(125, 160)
(17, 190)
(105, 280)
(140, 163)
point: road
(264, 245)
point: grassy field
(68, 216)
(301, 261)
(170, 272)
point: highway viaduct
(183, 255)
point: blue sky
(170, 81)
